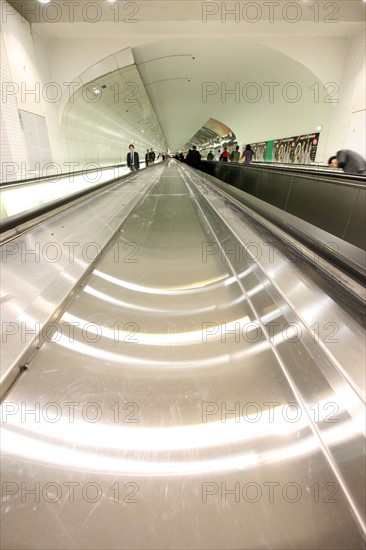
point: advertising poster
(303, 149)
(281, 151)
(260, 151)
(290, 150)
(269, 151)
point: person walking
(248, 154)
(235, 155)
(147, 157)
(224, 155)
(151, 157)
(194, 157)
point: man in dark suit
(133, 161)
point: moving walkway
(178, 373)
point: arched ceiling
(248, 86)
(114, 109)
(210, 135)
(260, 73)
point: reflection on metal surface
(159, 290)
(210, 385)
(22, 197)
(152, 339)
(54, 453)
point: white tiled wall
(15, 134)
(37, 141)
(14, 156)
(347, 128)
(48, 95)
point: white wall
(51, 96)
(356, 130)
(325, 58)
(13, 148)
(25, 77)
(348, 125)
(24, 116)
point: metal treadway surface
(183, 402)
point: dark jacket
(136, 160)
(194, 158)
(351, 162)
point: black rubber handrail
(352, 178)
(52, 177)
(347, 265)
(23, 217)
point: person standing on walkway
(133, 161)
(235, 155)
(247, 155)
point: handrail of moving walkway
(52, 177)
(23, 217)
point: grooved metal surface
(199, 391)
